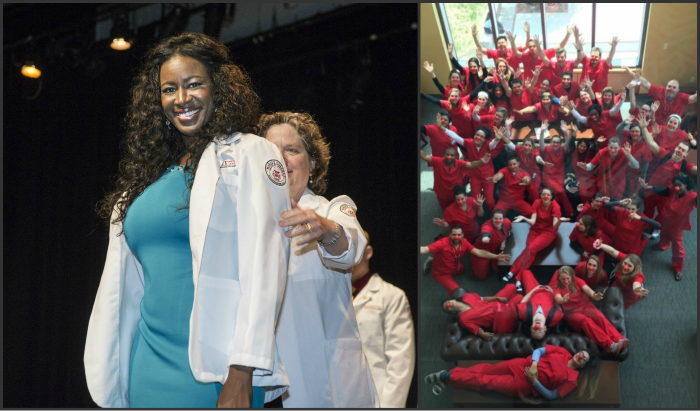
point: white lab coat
(317, 334)
(386, 329)
(239, 264)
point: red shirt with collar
(446, 256)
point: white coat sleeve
(343, 211)
(263, 252)
(113, 324)
(400, 351)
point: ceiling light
(120, 44)
(30, 70)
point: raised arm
(516, 52)
(429, 68)
(455, 62)
(613, 47)
(633, 163)
(619, 104)
(475, 35)
(598, 245)
(431, 99)
(428, 159)
(579, 117)
(565, 40)
(653, 146)
(578, 43)
(531, 109)
(506, 87)
(633, 97)
(693, 99)
(478, 163)
(457, 139)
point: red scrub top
(553, 72)
(598, 73)
(446, 178)
(641, 153)
(528, 162)
(439, 141)
(554, 176)
(678, 210)
(520, 102)
(453, 214)
(553, 371)
(586, 179)
(497, 236)
(474, 154)
(610, 173)
(446, 257)
(542, 298)
(545, 218)
(662, 174)
(626, 288)
(485, 314)
(628, 234)
(551, 116)
(511, 189)
(460, 120)
(600, 215)
(578, 301)
(529, 63)
(486, 115)
(606, 127)
(587, 242)
(508, 55)
(675, 106)
(572, 94)
(448, 88)
(581, 271)
(670, 142)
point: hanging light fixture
(121, 38)
(29, 70)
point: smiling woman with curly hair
(195, 199)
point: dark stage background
(61, 154)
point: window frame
(647, 7)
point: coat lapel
(201, 202)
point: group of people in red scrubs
(633, 181)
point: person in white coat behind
(317, 335)
(386, 329)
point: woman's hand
(440, 222)
(428, 67)
(641, 291)
(644, 184)
(597, 296)
(585, 255)
(565, 297)
(237, 391)
(519, 219)
(655, 106)
(531, 374)
(545, 125)
(484, 335)
(546, 288)
(564, 219)
(465, 107)
(450, 49)
(579, 208)
(601, 140)
(598, 244)
(642, 120)
(480, 200)
(627, 149)
(503, 257)
(308, 226)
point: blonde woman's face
(296, 159)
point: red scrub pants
(477, 185)
(507, 377)
(482, 267)
(536, 242)
(671, 237)
(447, 281)
(521, 206)
(594, 324)
(653, 204)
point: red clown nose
(678, 189)
(448, 304)
(578, 225)
(566, 282)
(460, 202)
(537, 326)
(630, 212)
(580, 357)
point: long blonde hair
(634, 259)
(589, 377)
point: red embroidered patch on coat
(347, 210)
(275, 172)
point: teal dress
(157, 232)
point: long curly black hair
(149, 146)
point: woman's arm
(425, 157)
(550, 395)
(513, 46)
(579, 117)
(592, 294)
(620, 130)
(481, 87)
(652, 223)
(633, 98)
(430, 99)
(532, 220)
(439, 85)
(619, 104)
(526, 110)
(577, 247)
(451, 134)
(475, 35)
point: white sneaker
(519, 287)
(507, 278)
(437, 388)
(655, 235)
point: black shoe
(679, 275)
(458, 294)
(508, 278)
